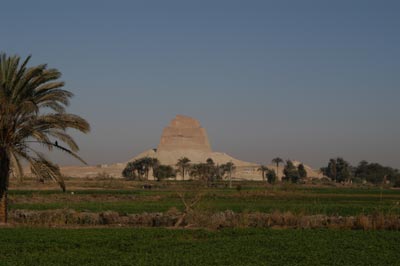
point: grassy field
(251, 198)
(23, 246)
(108, 245)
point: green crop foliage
(27, 246)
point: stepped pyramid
(184, 137)
(184, 133)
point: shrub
(291, 173)
(271, 176)
(163, 172)
(129, 171)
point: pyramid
(184, 133)
(184, 137)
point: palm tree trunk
(3, 207)
(4, 173)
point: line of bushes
(197, 219)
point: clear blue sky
(306, 80)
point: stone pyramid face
(184, 133)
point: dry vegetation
(198, 219)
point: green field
(235, 246)
(23, 246)
(297, 199)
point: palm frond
(41, 167)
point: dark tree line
(209, 171)
(140, 169)
(294, 174)
(376, 173)
(340, 170)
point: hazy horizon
(302, 80)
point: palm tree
(142, 166)
(32, 110)
(263, 169)
(230, 168)
(147, 164)
(155, 163)
(211, 169)
(277, 161)
(183, 164)
(138, 166)
(199, 171)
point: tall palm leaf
(32, 110)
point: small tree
(129, 171)
(199, 171)
(204, 171)
(332, 169)
(140, 168)
(302, 171)
(155, 163)
(183, 165)
(210, 161)
(277, 161)
(163, 171)
(147, 164)
(290, 171)
(263, 169)
(212, 170)
(338, 170)
(190, 198)
(228, 168)
(134, 170)
(271, 176)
